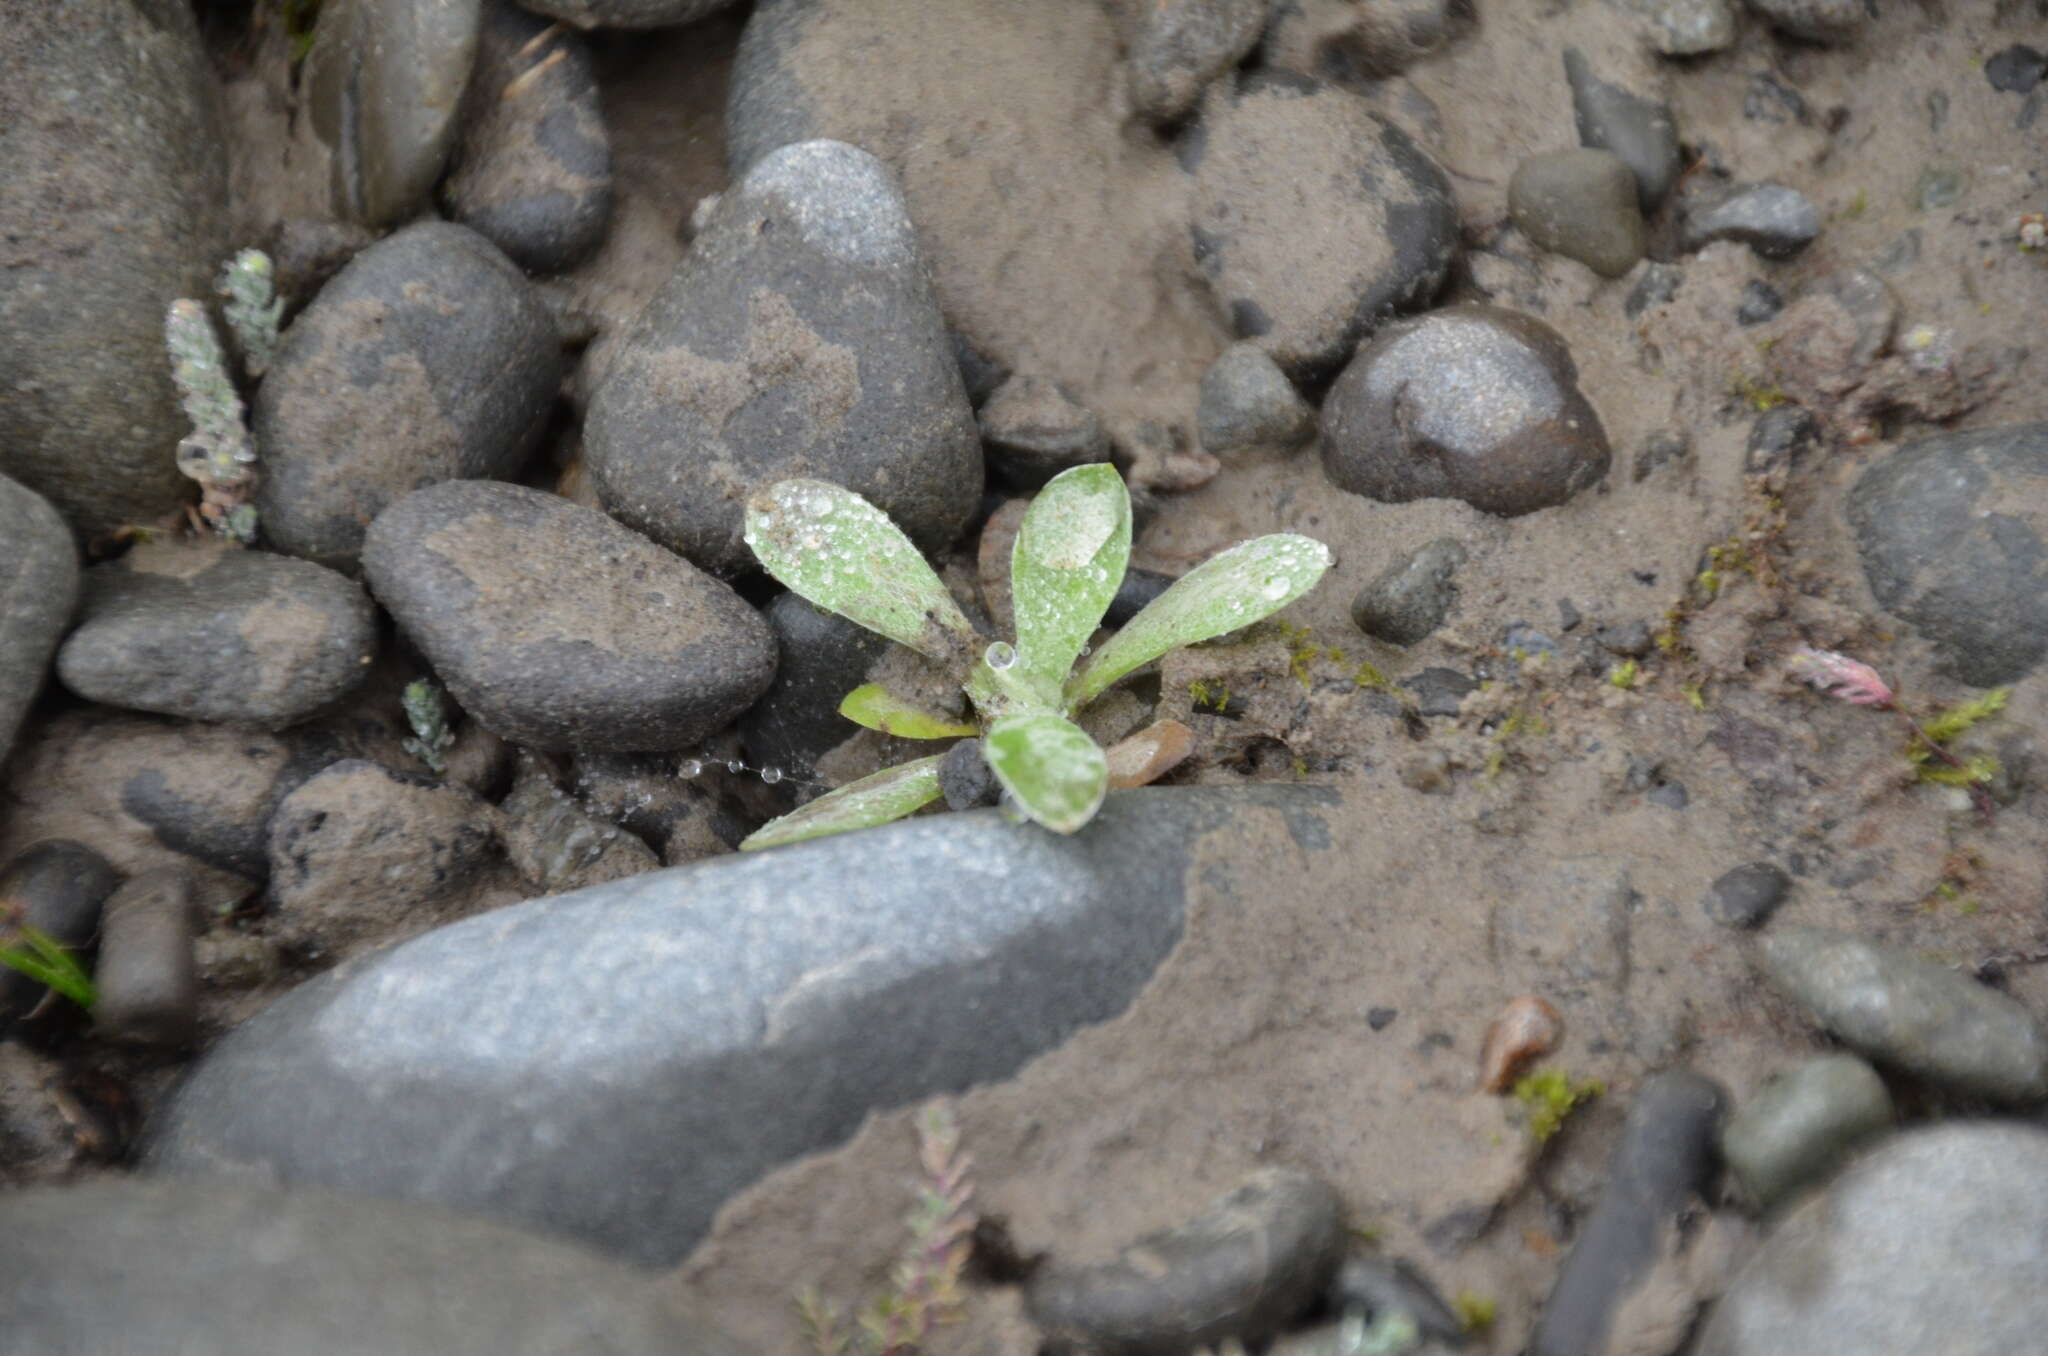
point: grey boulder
(1936, 1241)
(114, 207)
(38, 590)
(428, 358)
(211, 632)
(557, 628)
(119, 1265)
(1948, 545)
(614, 1064)
(798, 337)
(1313, 219)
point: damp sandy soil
(1540, 863)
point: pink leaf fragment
(1839, 676)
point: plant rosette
(835, 549)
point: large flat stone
(613, 1064)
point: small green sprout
(1550, 1097)
(1624, 674)
(47, 961)
(426, 710)
(253, 308)
(217, 453)
(1475, 1311)
(840, 552)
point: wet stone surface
(212, 632)
(1499, 422)
(428, 358)
(559, 629)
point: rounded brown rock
(1470, 402)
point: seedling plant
(834, 548)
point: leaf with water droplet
(1247, 583)
(876, 707)
(836, 549)
(1056, 772)
(1068, 560)
(887, 795)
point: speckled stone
(1469, 402)
(1411, 597)
(1181, 45)
(1689, 27)
(429, 357)
(114, 205)
(618, 1062)
(1950, 545)
(532, 167)
(555, 627)
(1248, 405)
(799, 337)
(209, 631)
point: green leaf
(889, 794)
(1065, 567)
(841, 552)
(1245, 584)
(45, 960)
(1055, 771)
(876, 707)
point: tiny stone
(147, 976)
(1568, 615)
(1412, 597)
(1428, 772)
(1248, 405)
(1760, 302)
(1938, 186)
(1671, 795)
(1631, 639)
(1658, 285)
(1639, 130)
(2016, 69)
(966, 779)
(1032, 430)
(1772, 100)
(1779, 437)
(1746, 896)
(1440, 691)
(1668, 446)
(1689, 27)
(1775, 221)
(1379, 1019)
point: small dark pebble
(1568, 614)
(1379, 1019)
(1631, 639)
(1032, 430)
(1526, 638)
(1658, 285)
(966, 779)
(58, 887)
(1746, 896)
(1247, 1267)
(1775, 221)
(2016, 69)
(1779, 437)
(1411, 597)
(147, 977)
(1439, 691)
(1760, 302)
(1665, 1157)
